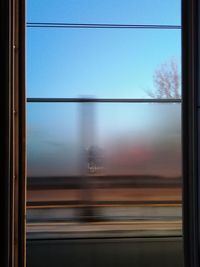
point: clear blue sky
(98, 63)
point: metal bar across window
(102, 100)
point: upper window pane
(102, 63)
(105, 11)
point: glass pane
(105, 154)
(105, 11)
(104, 169)
(53, 139)
(135, 139)
(102, 63)
(140, 139)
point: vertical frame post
(190, 86)
(12, 133)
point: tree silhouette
(167, 81)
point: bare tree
(167, 81)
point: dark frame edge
(20, 132)
(5, 133)
(190, 132)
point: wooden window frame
(13, 133)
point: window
(104, 141)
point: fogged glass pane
(53, 139)
(140, 139)
(102, 63)
(105, 162)
(105, 11)
(113, 139)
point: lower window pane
(117, 165)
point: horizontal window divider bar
(101, 100)
(45, 204)
(110, 181)
(101, 25)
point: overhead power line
(102, 26)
